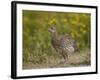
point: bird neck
(55, 35)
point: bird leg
(65, 57)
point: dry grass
(77, 59)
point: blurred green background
(37, 40)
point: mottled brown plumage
(63, 44)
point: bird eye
(51, 27)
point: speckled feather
(63, 44)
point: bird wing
(68, 43)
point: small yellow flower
(52, 21)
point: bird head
(52, 29)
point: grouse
(63, 44)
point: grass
(77, 59)
(37, 48)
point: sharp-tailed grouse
(63, 44)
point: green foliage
(37, 40)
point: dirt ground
(77, 59)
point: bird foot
(63, 62)
(66, 62)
